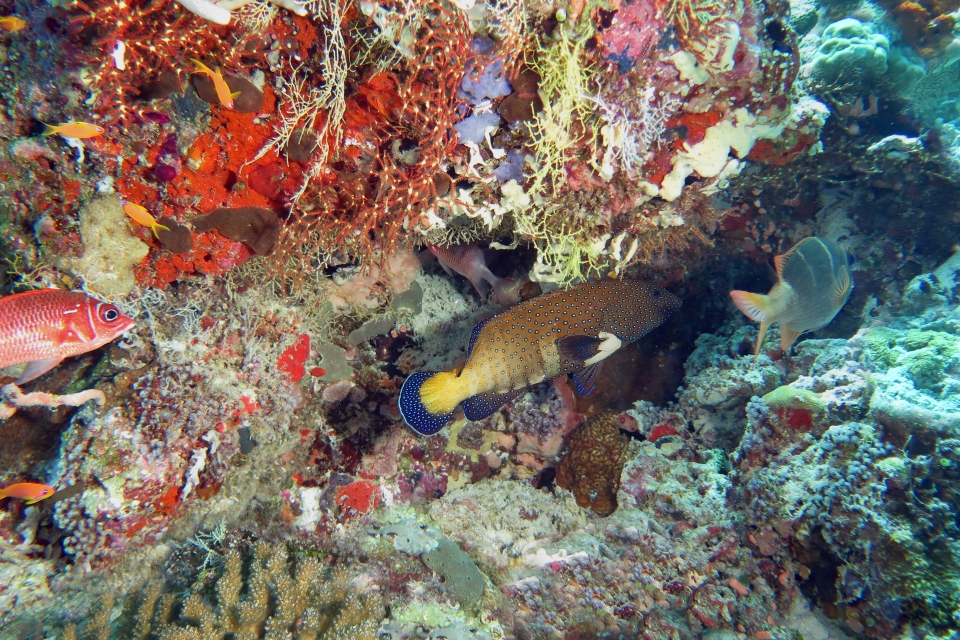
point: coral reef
(245, 470)
(836, 471)
(110, 251)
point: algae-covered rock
(443, 555)
(410, 301)
(333, 361)
(110, 250)
(368, 330)
(460, 573)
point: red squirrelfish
(45, 326)
(561, 332)
(32, 492)
(813, 284)
(468, 260)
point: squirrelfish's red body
(43, 327)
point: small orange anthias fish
(45, 326)
(219, 84)
(813, 284)
(73, 130)
(12, 23)
(32, 492)
(468, 260)
(141, 215)
(561, 332)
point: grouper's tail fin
(414, 413)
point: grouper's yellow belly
(496, 365)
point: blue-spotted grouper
(565, 331)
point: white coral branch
(11, 398)
(207, 10)
(219, 12)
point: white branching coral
(509, 21)
(257, 16)
(394, 34)
(631, 133)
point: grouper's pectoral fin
(484, 405)
(588, 350)
(586, 380)
(578, 348)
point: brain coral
(850, 50)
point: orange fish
(813, 284)
(12, 23)
(32, 492)
(45, 326)
(142, 216)
(73, 130)
(219, 84)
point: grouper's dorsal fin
(476, 334)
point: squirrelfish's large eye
(109, 313)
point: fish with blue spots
(565, 331)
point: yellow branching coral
(562, 126)
(565, 250)
(566, 247)
(272, 596)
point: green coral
(944, 344)
(929, 354)
(566, 247)
(850, 50)
(558, 129)
(880, 344)
(789, 397)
